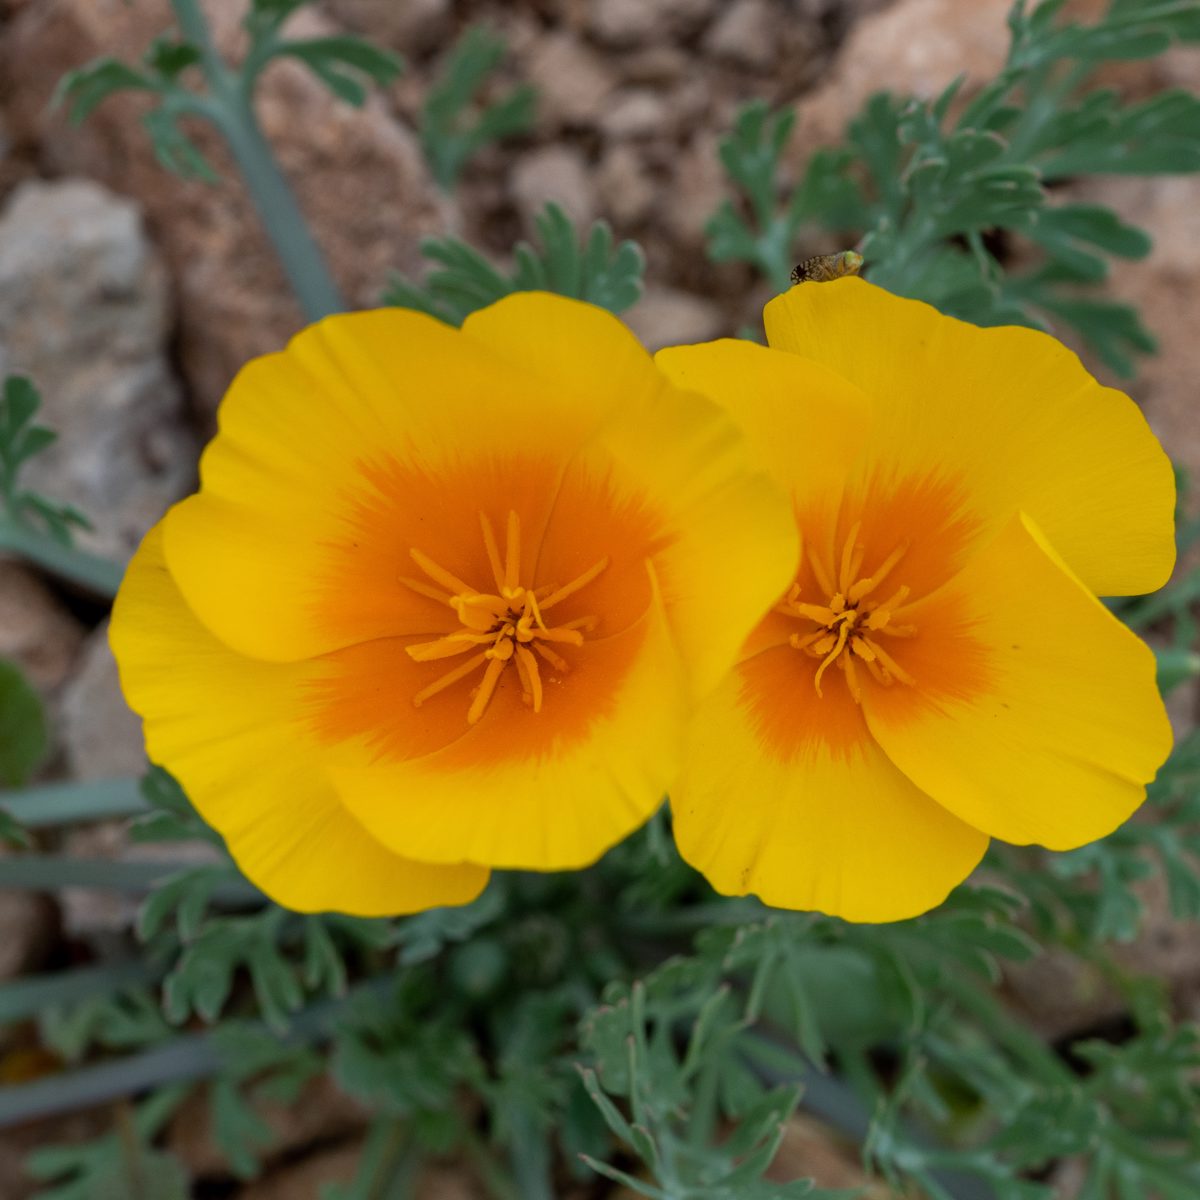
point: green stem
(273, 197)
(27, 997)
(99, 575)
(48, 872)
(67, 803)
(530, 1157)
(191, 1056)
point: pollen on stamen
(509, 622)
(845, 621)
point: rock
(627, 191)
(28, 922)
(554, 172)
(1165, 948)
(35, 630)
(666, 317)
(84, 312)
(1162, 288)
(1057, 994)
(322, 1113)
(661, 64)
(88, 913)
(20, 1141)
(102, 737)
(572, 81)
(698, 187)
(306, 1179)
(746, 34)
(636, 113)
(636, 22)
(359, 173)
(811, 1150)
(915, 47)
(413, 27)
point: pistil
(509, 622)
(850, 624)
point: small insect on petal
(822, 268)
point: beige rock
(636, 113)
(35, 630)
(100, 912)
(1058, 994)
(554, 172)
(322, 1113)
(698, 187)
(1163, 288)
(572, 81)
(666, 317)
(103, 738)
(631, 22)
(811, 1150)
(626, 188)
(656, 64)
(84, 312)
(28, 921)
(360, 176)
(305, 1179)
(747, 33)
(410, 27)
(914, 47)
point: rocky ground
(132, 298)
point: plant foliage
(624, 1025)
(456, 122)
(940, 190)
(346, 65)
(588, 268)
(21, 440)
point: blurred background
(132, 297)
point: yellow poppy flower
(444, 599)
(940, 670)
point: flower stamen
(849, 622)
(509, 622)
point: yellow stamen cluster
(507, 623)
(850, 623)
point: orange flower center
(852, 622)
(498, 628)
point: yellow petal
(304, 437)
(804, 422)
(810, 816)
(546, 791)
(1009, 409)
(1034, 713)
(589, 359)
(730, 543)
(230, 729)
